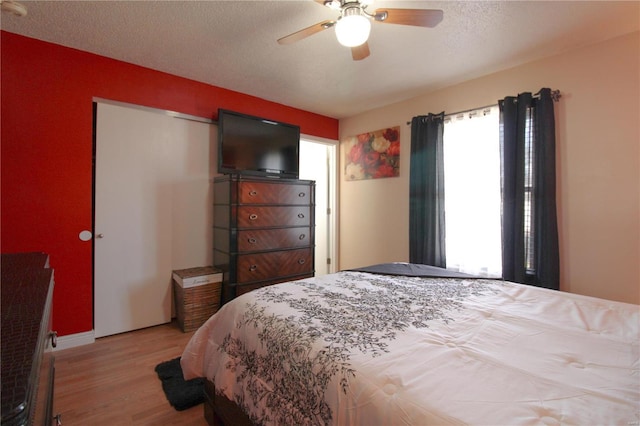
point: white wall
(598, 160)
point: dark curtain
(426, 191)
(515, 114)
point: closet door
(146, 164)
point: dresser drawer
(269, 239)
(262, 266)
(263, 231)
(245, 288)
(272, 216)
(273, 193)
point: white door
(317, 162)
(147, 166)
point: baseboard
(74, 340)
(79, 339)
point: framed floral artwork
(373, 155)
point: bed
(407, 344)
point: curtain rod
(555, 95)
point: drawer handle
(302, 237)
(253, 193)
(301, 261)
(53, 335)
(253, 216)
(302, 194)
(301, 215)
(58, 419)
(252, 240)
(253, 268)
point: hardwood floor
(113, 382)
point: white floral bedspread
(355, 348)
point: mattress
(366, 348)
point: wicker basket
(197, 295)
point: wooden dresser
(27, 363)
(263, 231)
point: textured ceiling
(232, 44)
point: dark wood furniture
(263, 231)
(27, 364)
(220, 411)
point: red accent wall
(46, 150)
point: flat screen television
(249, 145)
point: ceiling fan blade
(417, 17)
(358, 53)
(306, 32)
(331, 4)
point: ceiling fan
(354, 23)
(13, 7)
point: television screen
(257, 146)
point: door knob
(100, 236)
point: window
(471, 146)
(476, 179)
(528, 191)
(472, 192)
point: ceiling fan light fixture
(353, 30)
